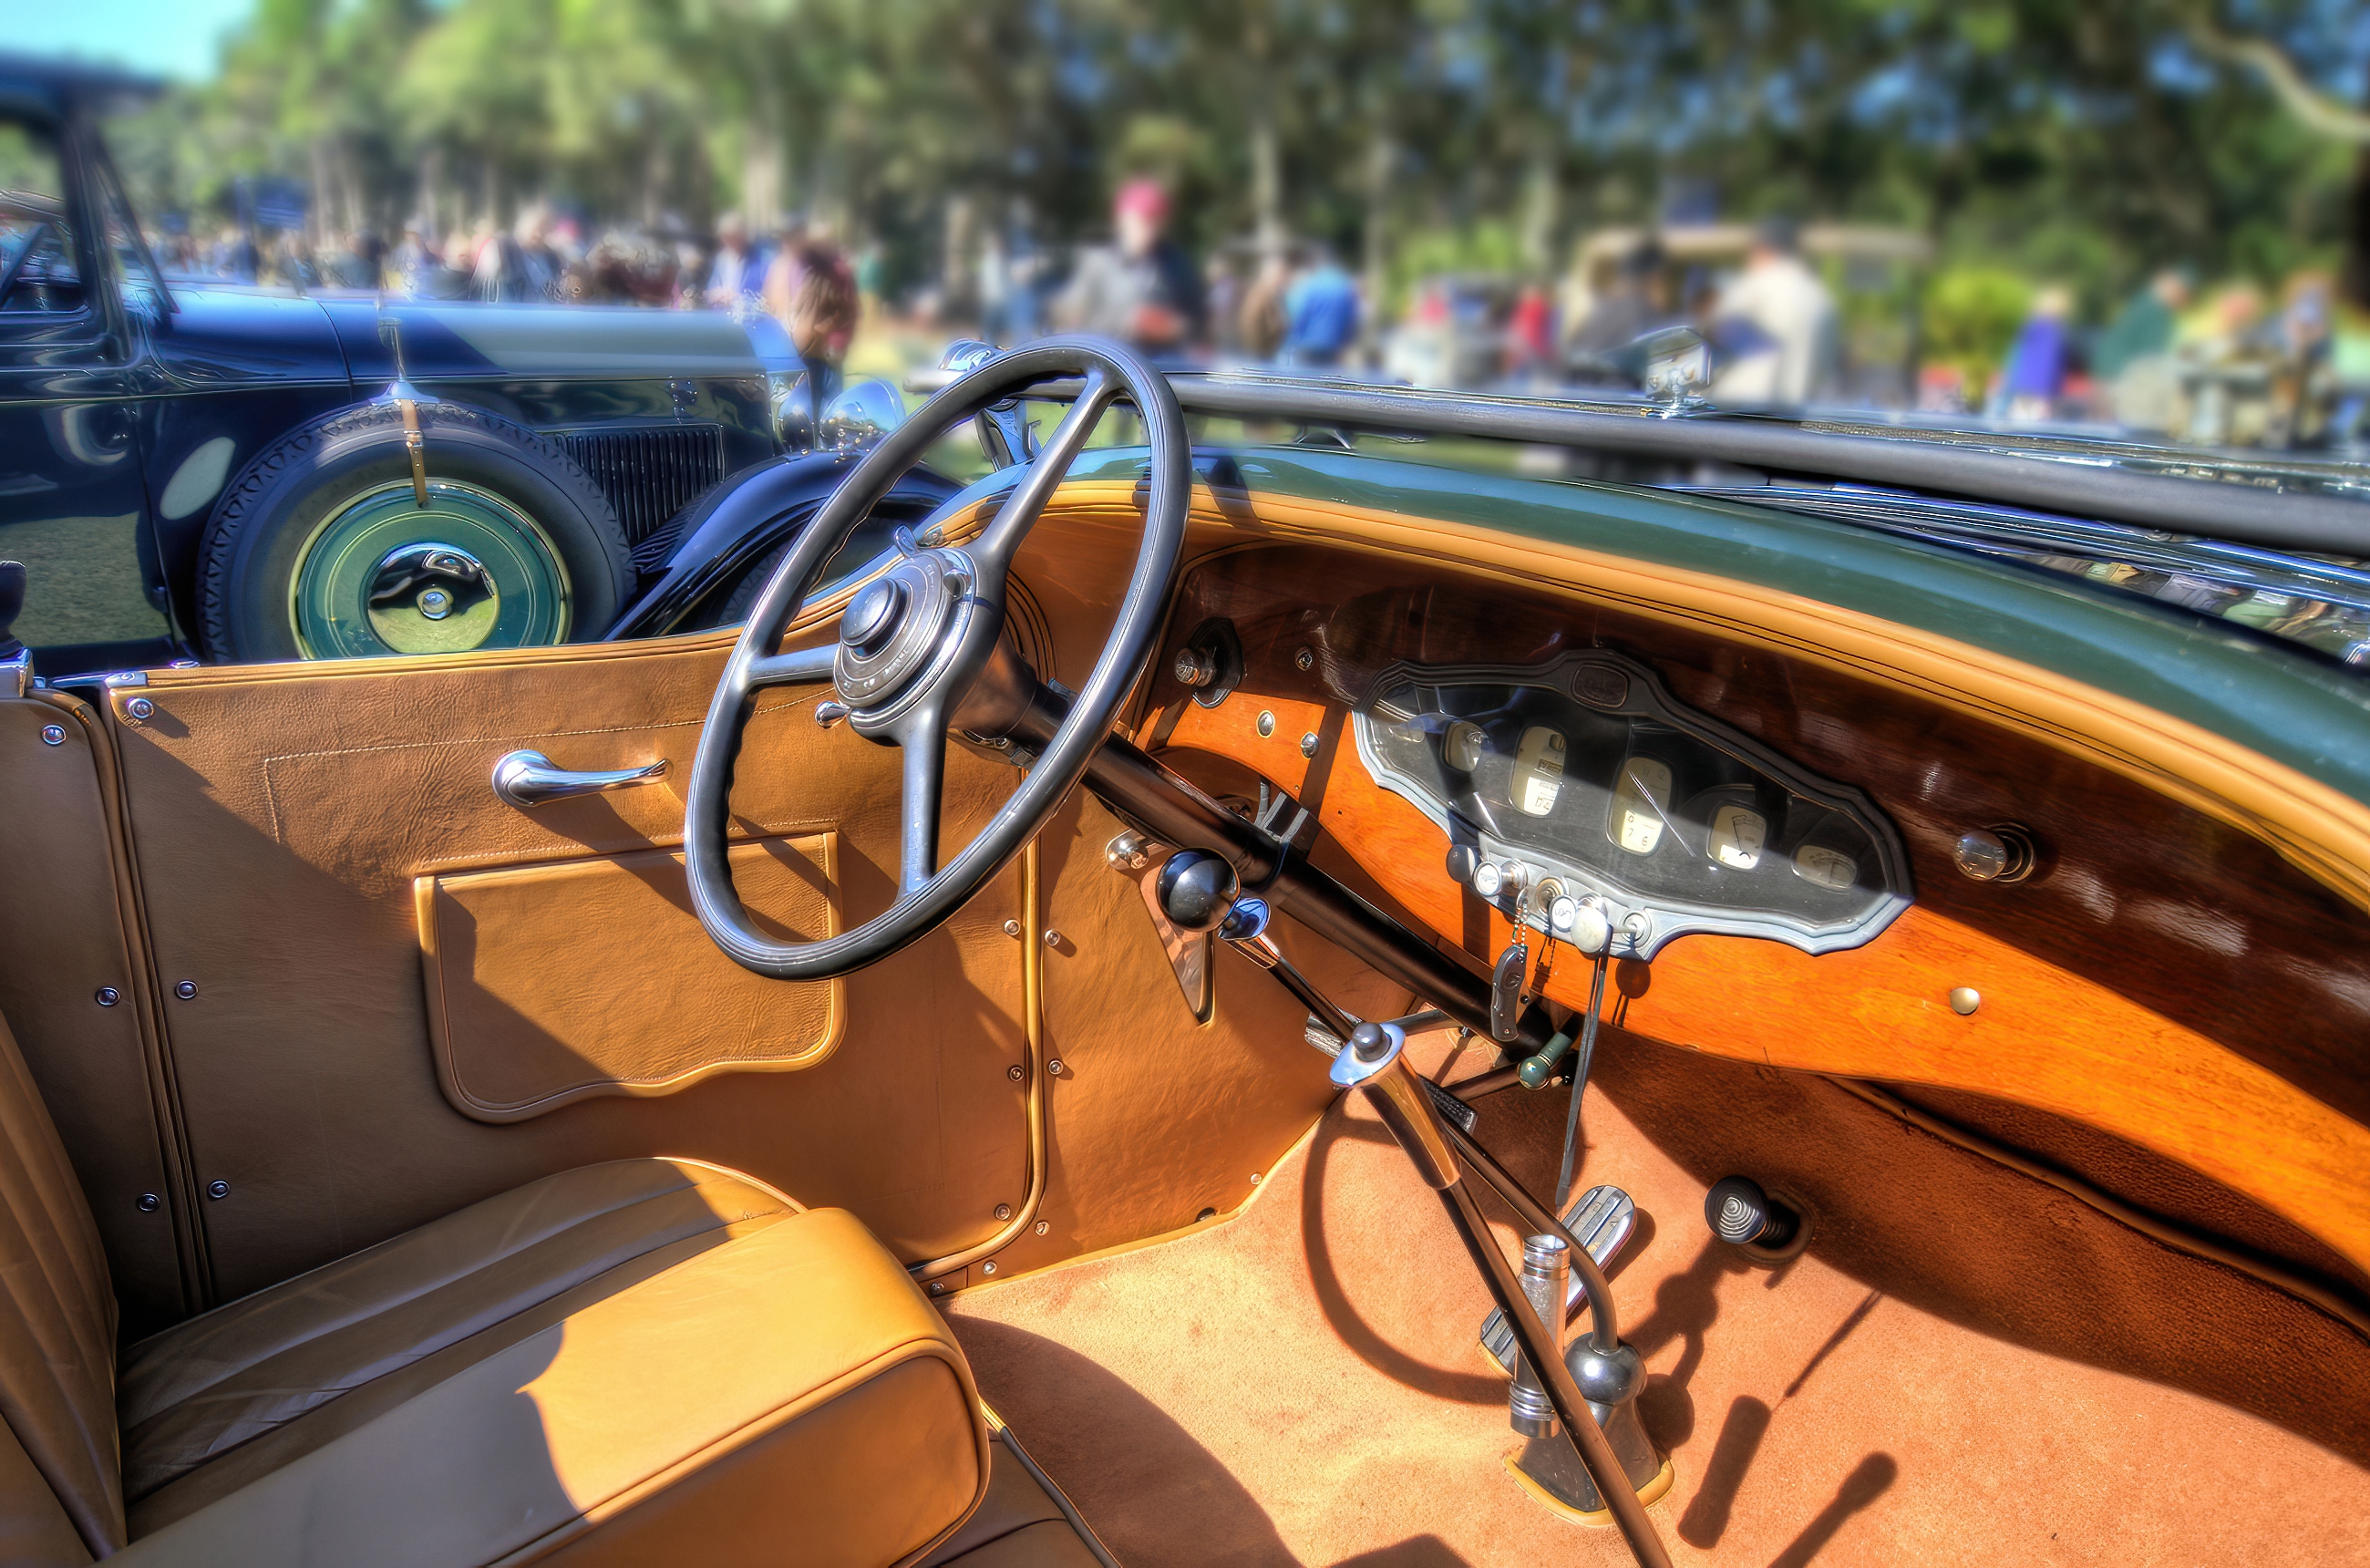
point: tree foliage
(2086, 143)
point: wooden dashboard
(2162, 976)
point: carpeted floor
(1966, 1369)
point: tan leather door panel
(280, 818)
(68, 940)
(542, 990)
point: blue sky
(164, 37)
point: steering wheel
(921, 650)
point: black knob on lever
(1197, 889)
(1740, 1213)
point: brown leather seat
(649, 1360)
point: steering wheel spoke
(803, 667)
(921, 645)
(993, 548)
(924, 745)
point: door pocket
(550, 984)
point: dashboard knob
(1462, 862)
(1582, 924)
(1489, 878)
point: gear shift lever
(1199, 892)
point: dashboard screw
(1255, 1177)
(53, 735)
(150, 1203)
(1044, 1227)
(106, 997)
(1016, 1072)
(988, 1268)
(140, 707)
(1309, 743)
(1966, 999)
(218, 1188)
(1012, 928)
(1004, 1211)
(1053, 1068)
(1304, 660)
(1266, 723)
(1052, 938)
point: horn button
(894, 629)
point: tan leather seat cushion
(370, 1330)
(787, 1397)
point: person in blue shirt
(1320, 313)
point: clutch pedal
(1601, 1221)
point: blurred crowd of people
(2221, 366)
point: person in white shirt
(1794, 327)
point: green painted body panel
(2290, 706)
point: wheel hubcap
(385, 575)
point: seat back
(61, 1473)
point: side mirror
(861, 416)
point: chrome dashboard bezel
(1572, 676)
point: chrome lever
(527, 778)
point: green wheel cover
(516, 594)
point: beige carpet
(1302, 1385)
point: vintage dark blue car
(204, 469)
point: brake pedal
(1600, 1220)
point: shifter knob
(1740, 1213)
(1196, 890)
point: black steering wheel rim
(966, 668)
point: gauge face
(1636, 820)
(1826, 868)
(1538, 771)
(1736, 836)
(1463, 746)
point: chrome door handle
(526, 778)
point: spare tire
(320, 549)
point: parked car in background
(229, 473)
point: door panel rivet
(187, 990)
(1016, 1072)
(150, 1203)
(1004, 1211)
(1053, 1068)
(1266, 723)
(1044, 1227)
(218, 1188)
(1309, 744)
(1255, 1177)
(1304, 660)
(53, 735)
(988, 1268)
(107, 995)
(1012, 928)
(1966, 999)
(140, 707)
(1052, 938)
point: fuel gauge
(1736, 837)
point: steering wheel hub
(897, 627)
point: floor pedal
(1600, 1220)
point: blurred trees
(2088, 142)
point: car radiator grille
(649, 475)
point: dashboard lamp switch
(1489, 878)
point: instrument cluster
(1581, 789)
